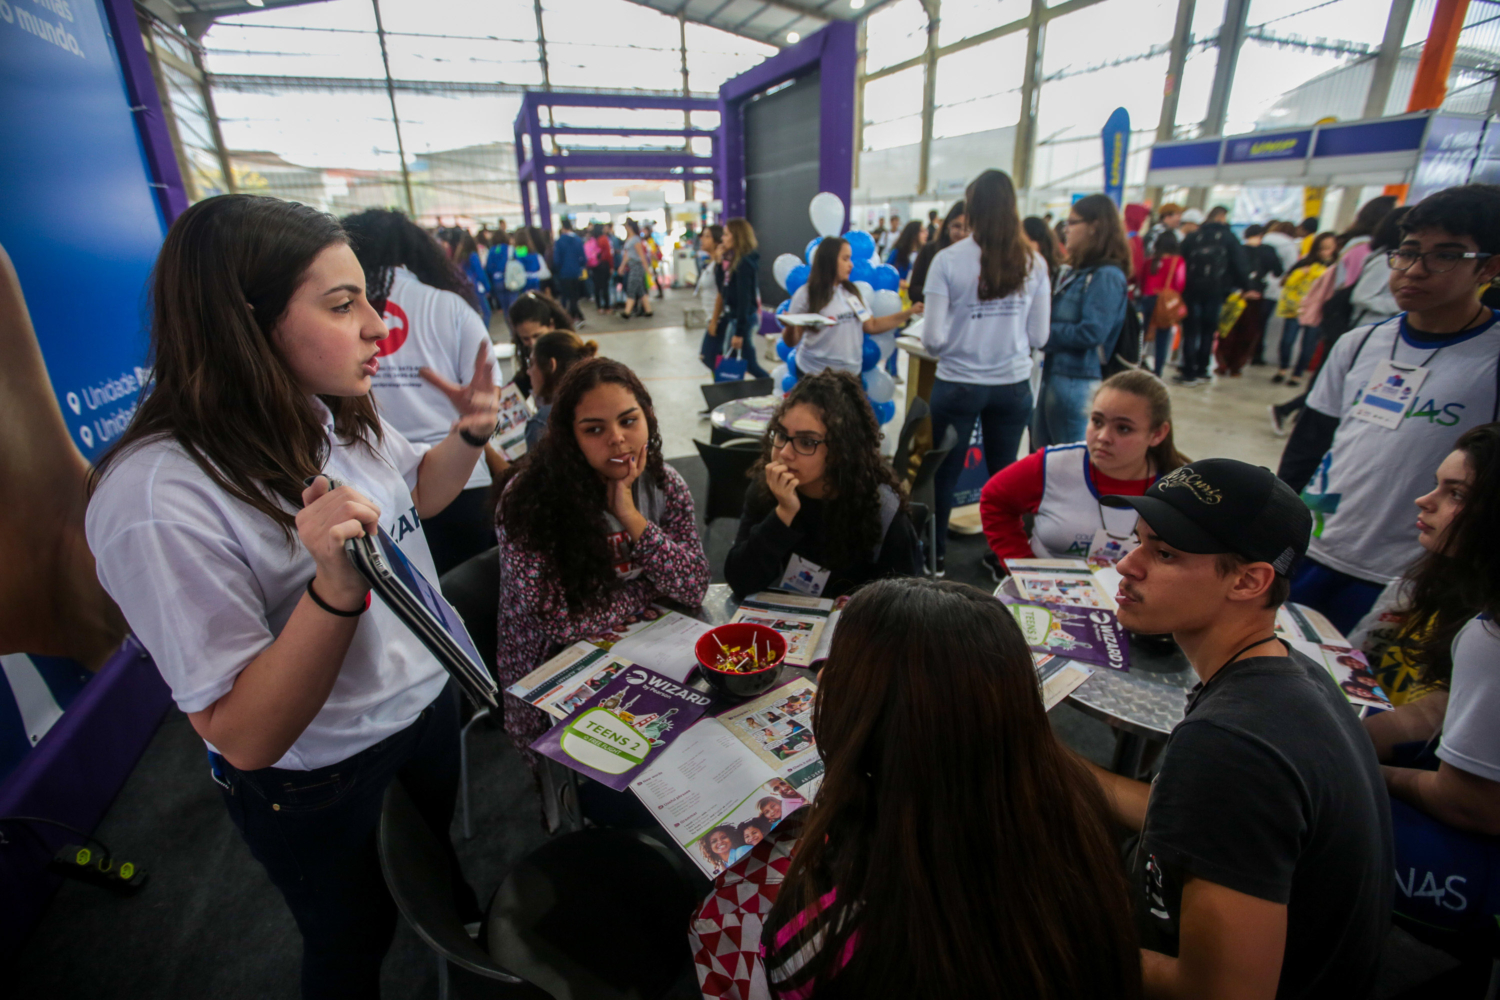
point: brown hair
(744, 241)
(1169, 208)
(1106, 243)
(995, 225)
(223, 279)
(823, 274)
(1001, 882)
(563, 348)
(1140, 383)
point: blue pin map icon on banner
(1116, 136)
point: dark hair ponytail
(384, 239)
(995, 224)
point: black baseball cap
(1223, 505)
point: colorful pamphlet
(1088, 634)
(800, 620)
(1059, 581)
(1058, 677)
(1348, 668)
(510, 433)
(725, 783)
(634, 717)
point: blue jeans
(1309, 345)
(1001, 412)
(1342, 598)
(1198, 329)
(1062, 413)
(314, 833)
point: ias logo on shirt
(395, 322)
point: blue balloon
(862, 272)
(885, 412)
(787, 383)
(872, 355)
(811, 247)
(796, 278)
(886, 278)
(791, 362)
(783, 350)
(861, 244)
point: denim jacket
(1088, 310)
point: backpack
(1207, 264)
(591, 253)
(1310, 309)
(1127, 352)
(515, 275)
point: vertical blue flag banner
(1116, 136)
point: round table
(752, 410)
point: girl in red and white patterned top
(593, 527)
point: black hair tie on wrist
(475, 441)
(333, 610)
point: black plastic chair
(597, 913)
(416, 872)
(728, 465)
(924, 493)
(716, 394)
(473, 588)
(915, 414)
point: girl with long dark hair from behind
(988, 308)
(824, 513)
(839, 345)
(218, 527)
(954, 849)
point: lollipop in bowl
(741, 660)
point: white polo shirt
(434, 329)
(207, 582)
(840, 346)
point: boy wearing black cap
(1265, 861)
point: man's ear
(1252, 581)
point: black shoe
(1278, 378)
(1292, 383)
(992, 563)
(1184, 380)
(1278, 422)
(941, 568)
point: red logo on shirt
(395, 322)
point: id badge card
(1107, 550)
(804, 577)
(1389, 395)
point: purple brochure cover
(1088, 635)
(624, 727)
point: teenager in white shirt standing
(214, 526)
(830, 293)
(417, 289)
(988, 305)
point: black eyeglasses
(802, 444)
(1436, 261)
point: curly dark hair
(1462, 579)
(384, 239)
(553, 502)
(854, 471)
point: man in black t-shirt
(1264, 865)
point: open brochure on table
(1092, 635)
(510, 434)
(727, 781)
(662, 640)
(1061, 581)
(801, 621)
(755, 416)
(1058, 677)
(1314, 636)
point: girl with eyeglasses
(824, 513)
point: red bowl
(736, 685)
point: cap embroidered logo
(1193, 483)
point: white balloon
(866, 292)
(827, 213)
(879, 385)
(885, 303)
(778, 375)
(783, 266)
(887, 342)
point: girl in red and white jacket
(1128, 444)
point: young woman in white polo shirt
(420, 294)
(232, 572)
(1128, 444)
(830, 293)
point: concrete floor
(1225, 420)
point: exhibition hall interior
(749, 499)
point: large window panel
(893, 109)
(312, 128)
(895, 34)
(464, 60)
(965, 18)
(502, 19)
(1105, 33)
(336, 39)
(715, 56)
(979, 88)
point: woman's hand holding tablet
(330, 516)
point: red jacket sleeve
(1013, 491)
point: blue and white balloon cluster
(877, 284)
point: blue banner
(1275, 146)
(1116, 136)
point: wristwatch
(474, 440)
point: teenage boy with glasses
(1390, 400)
(1264, 866)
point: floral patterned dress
(535, 620)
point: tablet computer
(423, 609)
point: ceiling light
(793, 37)
(856, 4)
(256, 3)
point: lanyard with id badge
(1392, 390)
(804, 577)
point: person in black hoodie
(737, 314)
(824, 513)
(1215, 267)
(1262, 264)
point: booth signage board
(1116, 139)
(1257, 148)
(80, 222)
(1487, 161)
(1448, 155)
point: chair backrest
(716, 394)
(416, 871)
(473, 588)
(921, 487)
(915, 414)
(727, 466)
(919, 513)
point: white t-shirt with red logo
(429, 328)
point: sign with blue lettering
(80, 222)
(1255, 148)
(1116, 137)
(1487, 162)
(1448, 155)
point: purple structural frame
(834, 51)
(75, 771)
(533, 166)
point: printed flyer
(800, 620)
(634, 718)
(510, 433)
(1349, 670)
(1088, 634)
(1059, 581)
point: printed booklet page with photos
(1060, 581)
(800, 620)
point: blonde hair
(744, 239)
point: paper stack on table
(1060, 581)
(800, 620)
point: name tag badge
(804, 577)
(1389, 395)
